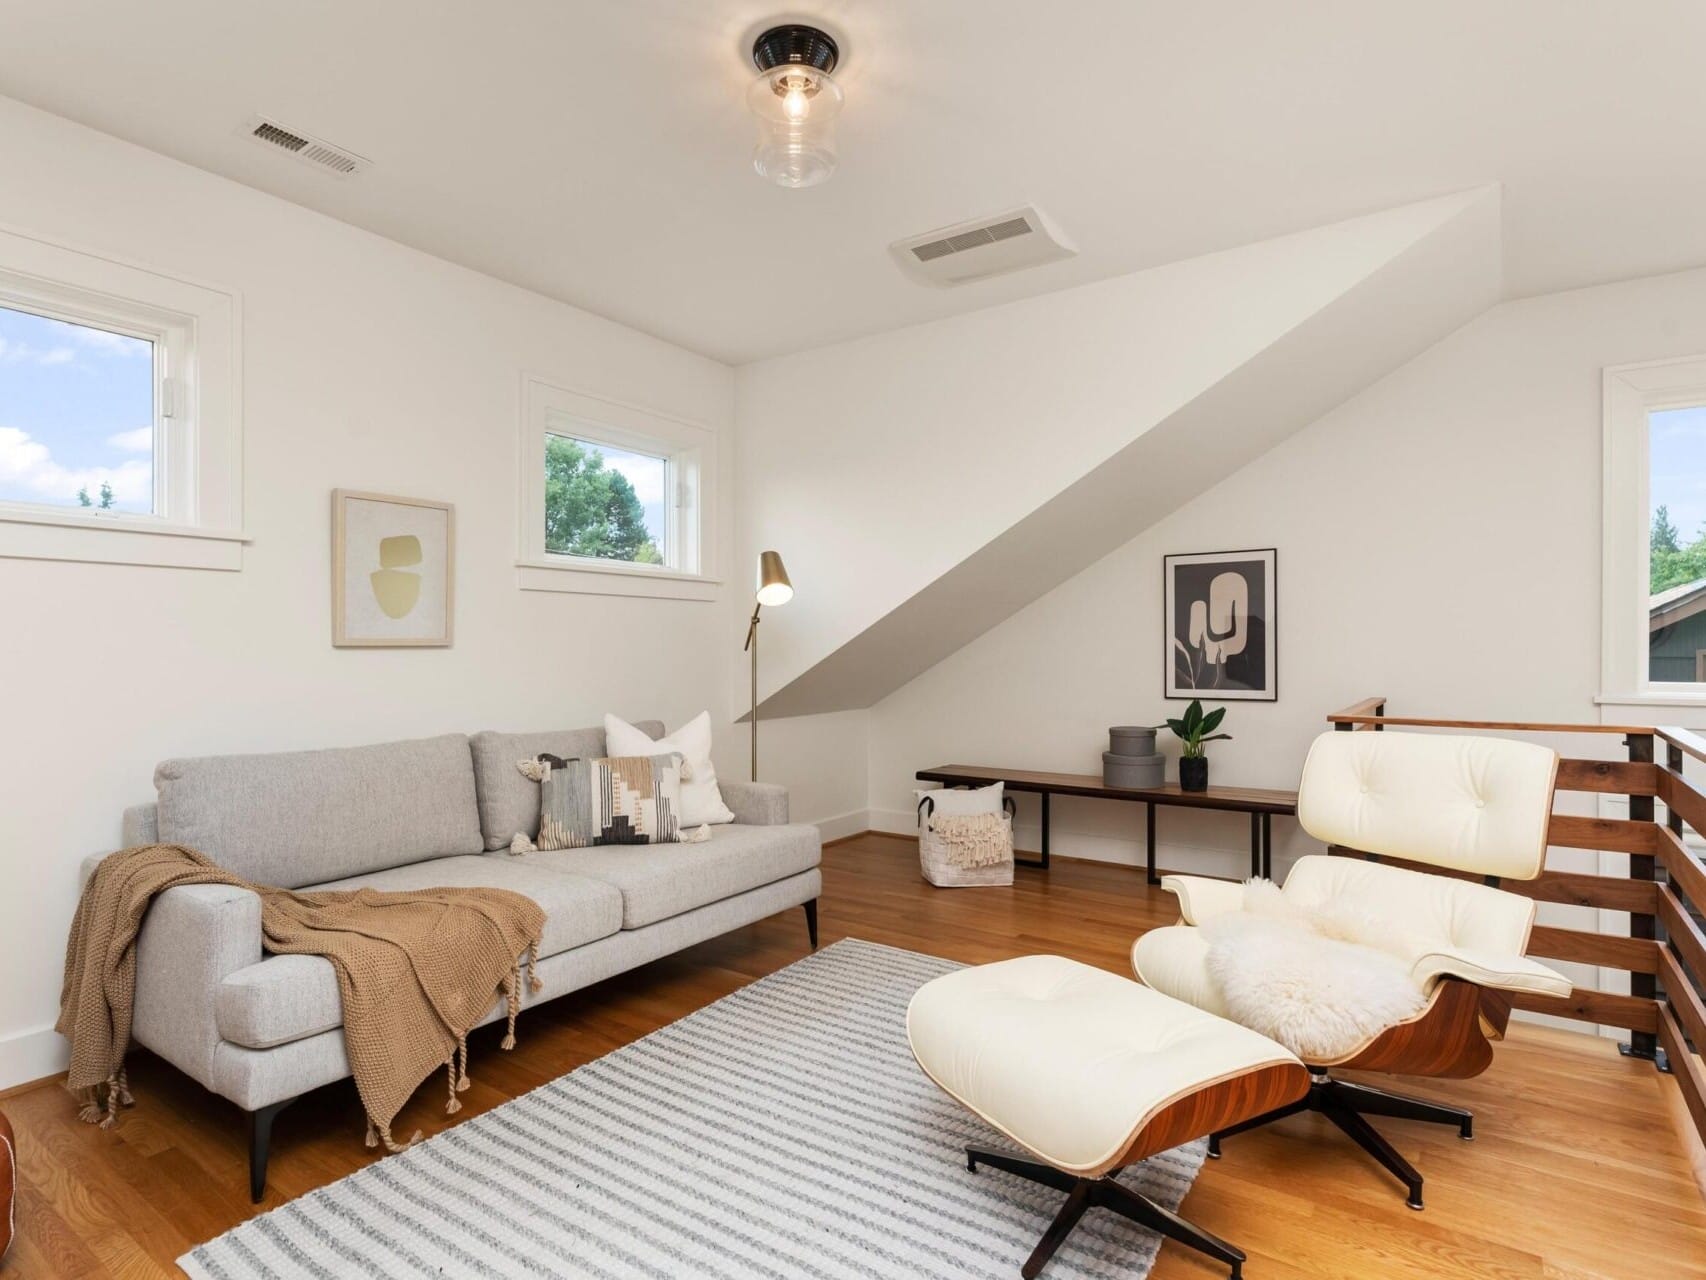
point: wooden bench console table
(1259, 803)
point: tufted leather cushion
(1069, 1061)
(8, 1185)
(1471, 804)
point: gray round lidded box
(1131, 761)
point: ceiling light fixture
(796, 101)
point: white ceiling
(597, 150)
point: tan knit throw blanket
(974, 839)
(416, 971)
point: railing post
(1642, 866)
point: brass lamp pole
(773, 589)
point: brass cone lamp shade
(773, 589)
(773, 585)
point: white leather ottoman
(1090, 1072)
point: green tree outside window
(1673, 564)
(590, 509)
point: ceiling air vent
(305, 147)
(986, 247)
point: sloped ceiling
(599, 151)
(1339, 308)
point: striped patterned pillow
(616, 800)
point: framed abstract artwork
(393, 571)
(1222, 639)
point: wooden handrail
(1507, 726)
(1664, 949)
(1685, 741)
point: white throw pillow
(701, 801)
(962, 800)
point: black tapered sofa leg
(260, 1146)
(811, 921)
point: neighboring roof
(1673, 604)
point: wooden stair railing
(1664, 892)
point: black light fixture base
(795, 43)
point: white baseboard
(843, 825)
(32, 1055)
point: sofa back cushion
(299, 817)
(509, 803)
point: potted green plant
(1194, 729)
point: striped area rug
(783, 1132)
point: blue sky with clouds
(76, 408)
(1677, 469)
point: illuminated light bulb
(795, 100)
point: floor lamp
(773, 589)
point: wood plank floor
(1576, 1171)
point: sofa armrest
(193, 937)
(1201, 897)
(1488, 969)
(756, 804)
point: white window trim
(691, 449)
(1631, 392)
(199, 459)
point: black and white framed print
(1222, 641)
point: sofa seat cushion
(286, 998)
(663, 880)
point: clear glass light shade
(796, 108)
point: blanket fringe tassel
(103, 1111)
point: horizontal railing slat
(1687, 876)
(1638, 955)
(1684, 999)
(1686, 1067)
(1577, 889)
(1619, 835)
(1571, 888)
(1632, 1013)
(1684, 934)
(1682, 798)
(1608, 777)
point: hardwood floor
(1577, 1170)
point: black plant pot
(1193, 773)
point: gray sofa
(263, 1029)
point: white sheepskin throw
(1320, 980)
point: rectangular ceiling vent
(305, 147)
(985, 247)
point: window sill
(31, 535)
(1652, 699)
(613, 579)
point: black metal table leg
(1255, 845)
(1149, 840)
(1045, 831)
(1268, 846)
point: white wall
(369, 366)
(1438, 541)
(880, 465)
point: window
(615, 499)
(1654, 571)
(119, 432)
(1676, 554)
(80, 415)
(605, 502)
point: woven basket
(939, 871)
